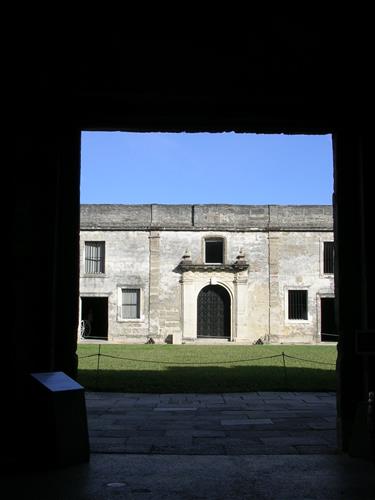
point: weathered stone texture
(210, 217)
(172, 216)
(230, 217)
(282, 246)
(301, 217)
(115, 216)
(126, 265)
(296, 263)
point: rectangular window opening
(328, 256)
(94, 257)
(130, 303)
(214, 251)
(297, 304)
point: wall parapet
(112, 217)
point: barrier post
(97, 370)
(285, 373)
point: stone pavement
(261, 423)
(277, 446)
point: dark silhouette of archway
(213, 315)
(302, 75)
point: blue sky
(125, 167)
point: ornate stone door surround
(233, 277)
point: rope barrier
(183, 362)
(310, 360)
(283, 355)
(284, 368)
(99, 355)
(88, 356)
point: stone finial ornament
(240, 259)
(186, 258)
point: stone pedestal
(59, 434)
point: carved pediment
(240, 264)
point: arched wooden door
(213, 312)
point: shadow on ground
(208, 379)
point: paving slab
(212, 423)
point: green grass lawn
(206, 369)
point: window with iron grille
(328, 252)
(214, 251)
(130, 306)
(94, 257)
(297, 304)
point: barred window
(130, 308)
(328, 257)
(94, 257)
(214, 251)
(297, 304)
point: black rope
(186, 362)
(88, 356)
(310, 360)
(207, 362)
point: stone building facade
(206, 273)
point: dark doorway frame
(94, 318)
(214, 312)
(328, 331)
(261, 85)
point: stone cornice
(210, 268)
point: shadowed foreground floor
(280, 477)
(217, 446)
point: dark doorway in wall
(94, 318)
(328, 329)
(213, 312)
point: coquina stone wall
(282, 247)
